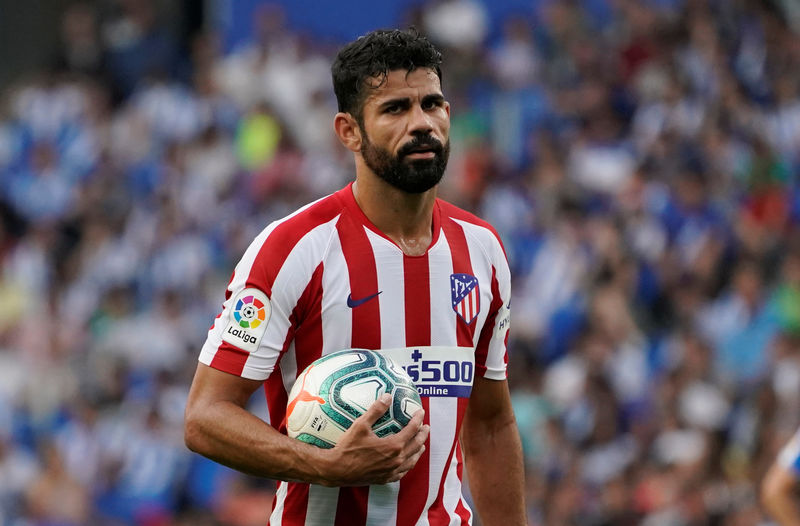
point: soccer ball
(339, 387)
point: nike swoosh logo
(355, 303)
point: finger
(423, 434)
(417, 444)
(376, 410)
(407, 466)
(413, 427)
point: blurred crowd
(640, 160)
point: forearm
(496, 474)
(230, 435)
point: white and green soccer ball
(339, 387)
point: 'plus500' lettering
(437, 370)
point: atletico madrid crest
(465, 293)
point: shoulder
(475, 228)
(304, 234)
(288, 231)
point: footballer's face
(405, 130)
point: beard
(414, 176)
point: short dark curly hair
(375, 55)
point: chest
(385, 298)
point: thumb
(377, 409)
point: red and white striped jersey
(325, 279)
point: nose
(420, 122)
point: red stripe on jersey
(308, 336)
(296, 504)
(230, 359)
(413, 492)
(305, 330)
(351, 508)
(363, 275)
(462, 264)
(417, 300)
(482, 349)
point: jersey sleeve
(491, 353)
(261, 303)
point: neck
(407, 219)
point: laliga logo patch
(248, 319)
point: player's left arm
(489, 433)
(493, 453)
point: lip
(421, 155)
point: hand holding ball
(332, 392)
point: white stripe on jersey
(442, 437)
(276, 519)
(391, 283)
(393, 316)
(289, 370)
(452, 492)
(382, 505)
(440, 272)
(323, 510)
(335, 288)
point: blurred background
(640, 159)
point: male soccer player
(779, 488)
(381, 264)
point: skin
(405, 105)
(250, 445)
(778, 495)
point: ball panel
(339, 387)
(361, 392)
(303, 399)
(314, 441)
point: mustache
(422, 142)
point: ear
(348, 131)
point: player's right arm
(778, 495)
(218, 426)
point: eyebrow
(405, 102)
(437, 98)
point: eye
(393, 109)
(429, 104)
